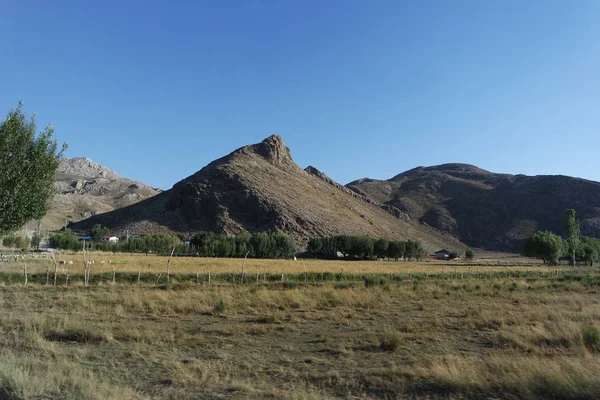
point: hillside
(260, 188)
(485, 209)
(85, 188)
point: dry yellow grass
(478, 338)
(134, 263)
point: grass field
(513, 332)
(134, 263)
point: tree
(572, 232)
(380, 247)
(395, 249)
(98, 231)
(469, 254)
(589, 250)
(9, 241)
(415, 250)
(361, 247)
(35, 241)
(546, 246)
(28, 163)
(66, 240)
(22, 242)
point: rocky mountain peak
(84, 167)
(85, 188)
(274, 150)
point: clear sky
(155, 90)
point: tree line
(362, 247)
(259, 245)
(157, 244)
(21, 242)
(552, 248)
(204, 244)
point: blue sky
(156, 90)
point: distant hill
(260, 188)
(485, 209)
(85, 188)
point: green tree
(9, 241)
(22, 242)
(380, 247)
(469, 254)
(572, 233)
(98, 231)
(414, 249)
(395, 249)
(546, 246)
(66, 240)
(361, 247)
(589, 250)
(35, 241)
(28, 163)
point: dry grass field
(134, 263)
(533, 335)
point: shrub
(344, 285)
(591, 337)
(79, 334)
(220, 306)
(390, 341)
(291, 285)
(375, 280)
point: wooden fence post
(55, 268)
(169, 265)
(243, 266)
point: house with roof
(108, 238)
(442, 254)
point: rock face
(260, 188)
(85, 188)
(484, 209)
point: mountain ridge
(259, 188)
(486, 209)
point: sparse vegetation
(530, 335)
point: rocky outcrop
(85, 188)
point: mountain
(260, 188)
(485, 209)
(85, 188)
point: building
(442, 254)
(108, 238)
